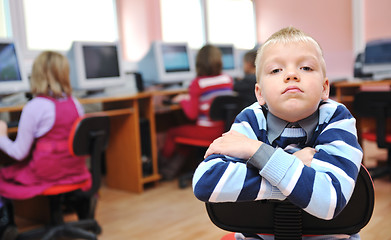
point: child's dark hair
(250, 57)
(209, 62)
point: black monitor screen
(378, 53)
(175, 58)
(101, 61)
(227, 57)
(9, 67)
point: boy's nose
(291, 76)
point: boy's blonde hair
(50, 75)
(289, 35)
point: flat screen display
(175, 58)
(101, 62)
(9, 66)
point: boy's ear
(258, 94)
(326, 89)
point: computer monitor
(167, 63)
(231, 63)
(95, 66)
(377, 59)
(13, 78)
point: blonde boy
(294, 143)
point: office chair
(89, 136)
(225, 108)
(376, 105)
(286, 221)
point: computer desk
(345, 91)
(123, 155)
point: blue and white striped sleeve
(337, 160)
(323, 189)
(222, 178)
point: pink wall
(377, 19)
(139, 25)
(329, 22)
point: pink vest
(51, 162)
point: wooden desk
(123, 155)
(345, 91)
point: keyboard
(15, 99)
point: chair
(287, 221)
(223, 107)
(89, 136)
(376, 105)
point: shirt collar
(276, 125)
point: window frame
(19, 31)
(208, 37)
(19, 28)
(205, 25)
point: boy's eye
(275, 71)
(306, 68)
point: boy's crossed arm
(321, 182)
(238, 145)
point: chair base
(185, 179)
(10, 233)
(84, 229)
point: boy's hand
(234, 144)
(305, 155)
(3, 128)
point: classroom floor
(166, 212)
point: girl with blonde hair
(43, 131)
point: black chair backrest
(378, 106)
(91, 137)
(282, 218)
(225, 107)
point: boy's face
(292, 82)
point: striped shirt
(202, 91)
(321, 190)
